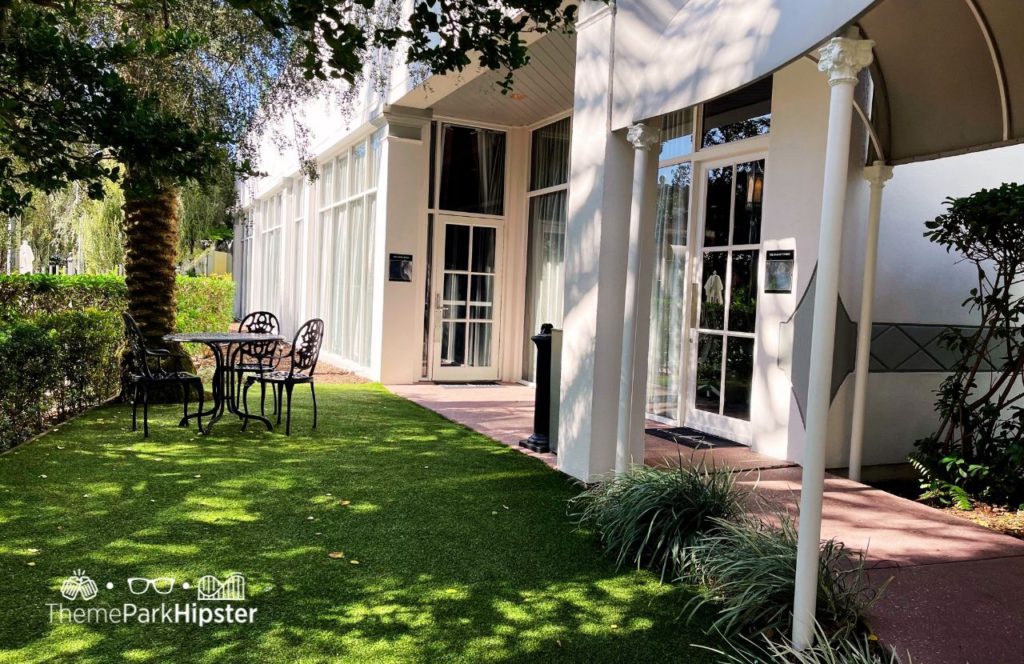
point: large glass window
(472, 170)
(549, 190)
(741, 114)
(270, 253)
(664, 373)
(348, 209)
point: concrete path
(956, 594)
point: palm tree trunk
(151, 244)
(151, 239)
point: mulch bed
(1002, 520)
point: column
(637, 306)
(596, 247)
(876, 175)
(841, 59)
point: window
(664, 359)
(472, 170)
(549, 191)
(270, 253)
(298, 266)
(741, 114)
(347, 196)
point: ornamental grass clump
(746, 570)
(651, 517)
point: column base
(536, 443)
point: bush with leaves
(88, 344)
(746, 570)
(651, 517)
(27, 372)
(978, 449)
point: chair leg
(312, 390)
(278, 393)
(202, 397)
(263, 398)
(288, 417)
(186, 390)
(145, 412)
(135, 406)
(245, 402)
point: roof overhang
(947, 73)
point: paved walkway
(956, 589)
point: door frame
(468, 374)
(713, 423)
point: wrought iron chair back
(136, 347)
(258, 322)
(306, 347)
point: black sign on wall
(400, 267)
(778, 269)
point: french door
(467, 301)
(724, 299)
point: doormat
(464, 385)
(698, 440)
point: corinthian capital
(843, 57)
(642, 137)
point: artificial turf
(456, 548)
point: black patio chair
(257, 358)
(302, 359)
(142, 376)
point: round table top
(221, 337)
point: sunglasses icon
(161, 586)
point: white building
(656, 186)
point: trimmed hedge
(61, 339)
(55, 365)
(204, 303)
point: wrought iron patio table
(221, 344)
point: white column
(596, 242)
(876, 175)
(636, 313)
(842, 58)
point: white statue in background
(25, 258)
(714, 289)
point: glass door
(726, 284)
(466, 299)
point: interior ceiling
(949, 75)
(541, 89)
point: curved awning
(948, 73)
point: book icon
(210, 588)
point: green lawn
(464, 551)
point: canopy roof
(948, 74)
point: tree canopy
(170, 88)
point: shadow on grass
(455, 548)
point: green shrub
(853, 649)
(88, 345)
(747, 570)
(651, 516)
(205, 303)
(28, 368)
(27, 295)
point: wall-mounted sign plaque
(779, 270)
(400, 267)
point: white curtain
(545, 276)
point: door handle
(437, 302)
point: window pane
(717, 207)
(327, 184)
(456, 247)
(739, 374)
(749, 191)
(740, 114)
(743, 303)
(481, 289)
(707, 395)
(472, 170)
(341, 179)
(480, 344)
(455, 287)
(453, 344)
(373, 170)
(664, 375)
(358, 170)
(484, 248)
(549, 156)
(712, 301)
(676, 135)
(544, 271)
